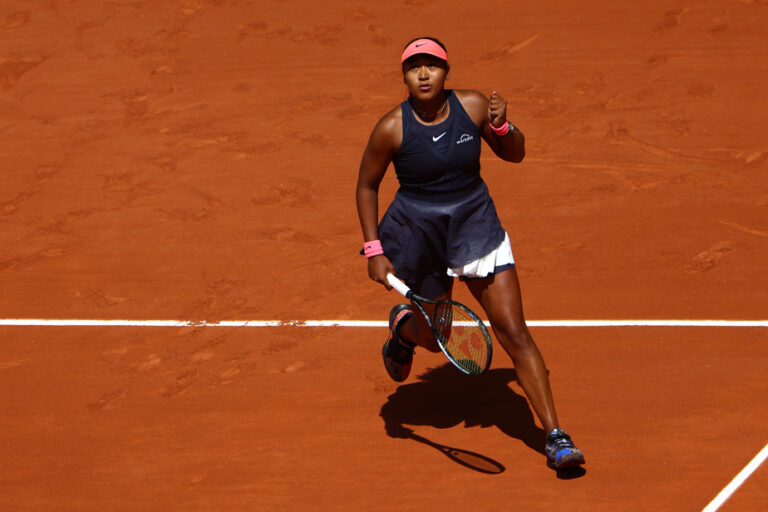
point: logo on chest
(465, 137)
(435, 139)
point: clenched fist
(497, 110)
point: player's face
(425, 76)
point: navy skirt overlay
(423, 239)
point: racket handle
(398, 285)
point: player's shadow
(443, 397)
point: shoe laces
(561, 439)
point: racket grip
(398, 285)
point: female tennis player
(443, 224)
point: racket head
(460, 334)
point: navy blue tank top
(441, 162)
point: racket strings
(463, 338)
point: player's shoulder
(391, 118)
(471, 97)
(474, 102)
(390, 123)
(388, 130)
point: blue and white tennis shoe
(561, 452)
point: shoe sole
(402, 374)
(571, 460)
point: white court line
(37, 322)
(737, 481)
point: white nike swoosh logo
(435, 139)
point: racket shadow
(466, 458)
(444, 398)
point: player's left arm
(486, 112)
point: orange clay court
(194, 161)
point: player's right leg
(407, 329)
(416, 329)
(397, 352)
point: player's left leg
(499, 295)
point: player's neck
(429, 111)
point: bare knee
(515, 338)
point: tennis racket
(459, 332)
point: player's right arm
(382, 145)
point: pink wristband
(372, 248)
(501, 130)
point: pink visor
(426, 46)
